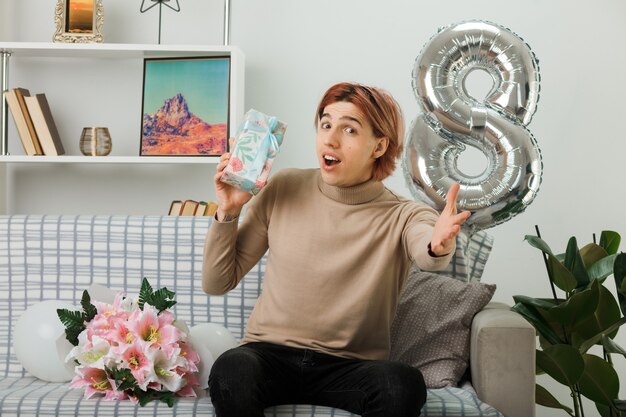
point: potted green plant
(586, 315)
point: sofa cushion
(30, 397)
(456, 402)
(431, 329)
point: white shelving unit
(76, 159)
(108, 77)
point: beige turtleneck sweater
(337, 261)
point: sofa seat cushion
(30, 397)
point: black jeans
(247, 379)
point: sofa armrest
(502, 360)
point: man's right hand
(230, 199)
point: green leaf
(619, 273)
(606, 314)
(162, 299)
(599, 381)
(539, 323)
(574, 263)
(563, 363)
(610, 241)
(70, 318)
(578, 307)
(88, 308)
(538, 243)
(611, 347)
(602, 268)
(584, 347)
(144, 397)
(563, 277)
(74, 324)
(543, 303)
(543, 320)
(123, 377)
(168, 398)
(592, 253)
(620, 405)
(543, 397)
(144, 293)
(606, 411)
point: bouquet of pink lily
(131, 349)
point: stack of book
(34, 122)
(192, 208)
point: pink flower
(192, 357)
(190, 382)
(134, 358)
(120, 335)
(115, 395)
(107, 318)
(156, 329)
(186, 391)
(235, 164)
(164, 369)
(95, 381)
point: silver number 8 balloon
(452, 120)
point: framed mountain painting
(185, 106)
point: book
(21, 94)
(20, 122)
(175, 208)
(211, 209)
(200, 208)
(188, 208)
(45, 127)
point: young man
(340, 245)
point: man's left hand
(448, 225)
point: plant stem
(576, 400)
(607, 358)
(580, 401)
(545, 260)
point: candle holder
(95, 141)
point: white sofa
(57, 257)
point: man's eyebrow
(354, 119)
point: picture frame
(79, 21)
(185, 106)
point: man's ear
(381, 147)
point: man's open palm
(448, 225)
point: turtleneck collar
(357, 194)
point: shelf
(111, 50)
(100, 85)
(73, 159)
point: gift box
(258, 140)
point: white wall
(6, 22)
(296, 49)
